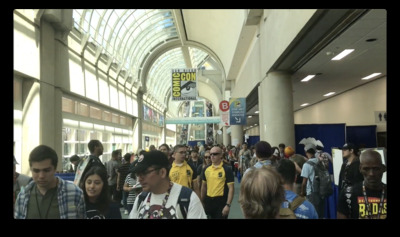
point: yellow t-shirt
(183, 174)
(217, 179)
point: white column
(140, 118)
(236, 134)
(226, 139)
(275, 102)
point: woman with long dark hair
(97, 198)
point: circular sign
(224, 106)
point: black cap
(151, 158)
(349, 146)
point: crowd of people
(198, 183)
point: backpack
(288, 212)
(322, 182)
(183, 199)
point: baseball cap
(349, 146)
(151, 158)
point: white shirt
(172, 209)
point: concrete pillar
(226, 139)
(275, 102)
(236, 134)
(140, 119)
(31, 131)
(164, 129)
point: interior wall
(354, 107)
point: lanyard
(163, 203)
(48, 208)
(380, 203)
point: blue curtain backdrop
(362, 136)
(331, 135)
(194, 143)
(253, 140)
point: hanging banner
(184, 84)
(224, 108)
(237, 111)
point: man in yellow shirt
(217, 187)
(181, 172)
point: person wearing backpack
(96, 150)
(294, 205)
(308, 174)
(161, 198)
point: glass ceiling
(128, 36)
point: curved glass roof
(129, 36)
(159, 78)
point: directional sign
(237, 111)
(224, 107)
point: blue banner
(237, 111)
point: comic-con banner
(184, 84)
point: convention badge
(348, 195)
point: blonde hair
(261, 193)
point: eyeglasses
(145, 173)
(214, 154)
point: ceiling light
(329, 94)
(371, 76)
(343, 54)
(307, 78)
(256, 112)
(249, 116)
(305, 104)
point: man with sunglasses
(217, 187)
(161, 199)
(183, 172)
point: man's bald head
(372, 168)
(370, 155)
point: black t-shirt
(357, 209)
(351, 174)
(113, 211)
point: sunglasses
(206, 157)
(214, 154)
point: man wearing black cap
(349, 172)
(161, 201)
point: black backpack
(183, 199)
(322, 182)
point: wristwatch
(229, 205)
